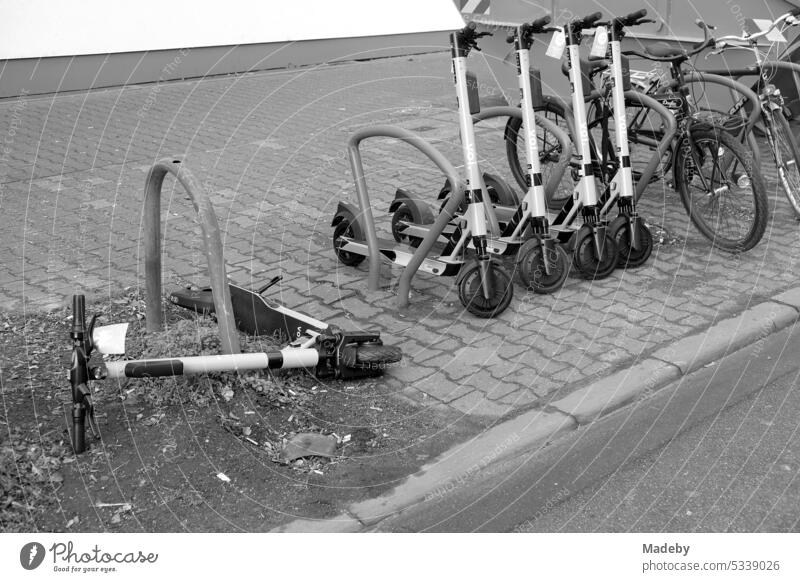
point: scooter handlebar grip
(588, 21)
(634, 16)
(78, 314)
(540, 23)
(795, 12)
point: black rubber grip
(541, 22)
(587, 21)
(795, 12)
(154, 369)
(634, 16)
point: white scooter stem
(624, 176)
(535, 196)
(279, 359)
(586, 185)
(476, 217)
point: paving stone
(275, 217)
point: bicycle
(774, 126)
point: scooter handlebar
(538, 26)
(633, 17)
(586, 21)
(468, 37)
(540, 23)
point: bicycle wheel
(721, 189)
(786, 156)
(549, 150)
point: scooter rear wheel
(530, 266)
(585, 259)
(470, 290)
(500, 193)
(403, 214)
(627, 256)
(347, 227)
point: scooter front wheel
(470, 289)
(627, 256)
(585, 256)
(372, 356)
(531, 267)
(346, 226)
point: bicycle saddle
(665, 51)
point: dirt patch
(192, 454)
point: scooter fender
(445, 191)
(420, 212)
(346, 208)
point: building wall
(48, 46)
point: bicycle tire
(787, 165)
(709, 144)
(549, 150)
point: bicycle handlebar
(725, 41)
(707, 41)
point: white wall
(48, 28)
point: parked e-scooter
(542, 265)
(484, 286)
(594, 250)
(633, 239)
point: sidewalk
(270, 146)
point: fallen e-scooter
(316, 346)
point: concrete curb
(467, 463)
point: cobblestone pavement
(271, 148)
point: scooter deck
(253, 313)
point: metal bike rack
(362, 192)
(212, 243)
(453, 202)
(670, 129)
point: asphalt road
(736, 471)
(716, 451)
